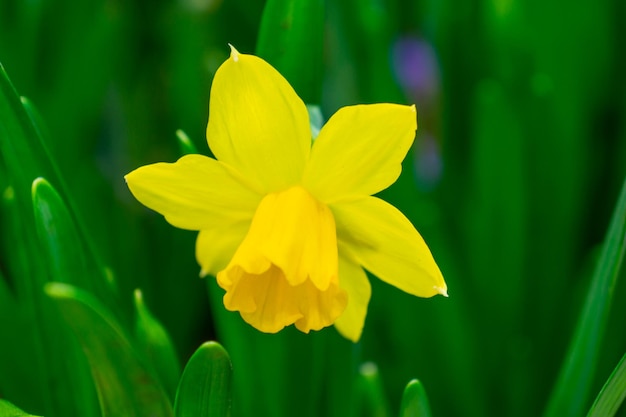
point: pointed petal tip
(234, 54)
(414, 109)
(203, 273)
(441, 290)
(131, 175)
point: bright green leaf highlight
(205, 387)
(570, 395)
(124, 385)
(612, 394)
(415, 401)
(185, 145)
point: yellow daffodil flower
(286, 224)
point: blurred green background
(517, 165)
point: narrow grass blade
(612, 394)
(22, 161)
(124, 385)
(291, 39)
(205, 387)
(9, 410)
(156, 344)
(415, 401)
(571, 392)
(20, 144)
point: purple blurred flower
(416, 68)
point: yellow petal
(194, 193)
(215, 247)
(269, 302)
(360, 150)
(385, 242)
(353, 279)
(257, 123)
(320, 308)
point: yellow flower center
(285, 270)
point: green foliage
(125, 387)
(37, 350)
(519, 157)
(414, 401)
(60, 243)
(155, 344)
(9, 410)
(291, 38)
(205, 387)
(371, 400)
(185, 144)
(612, 394)
(572, 388)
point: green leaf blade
(9, 410)
(156, 344)
(125, 387)
(570, 395)
(613, 392)
(60, 242)
(39, 350)
(415, 401)
(371, 401)
(205, 387)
